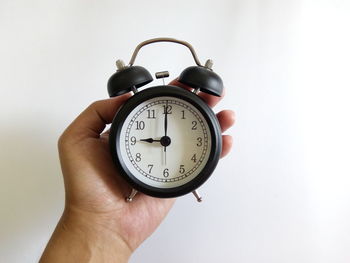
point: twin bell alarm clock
(165, 140)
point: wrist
(80, 237)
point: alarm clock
(165, 140)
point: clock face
(164, 142)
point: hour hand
(149, 140)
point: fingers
(209, 99)
(227, 142)
(226, 119)
(92, 121)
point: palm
(102, 193)
(93, 185)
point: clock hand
(166, 119)
(165, 128)
(149, 140)
(165, 155)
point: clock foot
(197, 195)
(131, 196)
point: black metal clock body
(119, 140)
(165, 140)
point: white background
(282, 195)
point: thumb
(92, 121)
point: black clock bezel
(197, 102)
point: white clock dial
(160, 159)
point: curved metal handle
(164, 39)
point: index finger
(209, 99)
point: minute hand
(165, 127)
(166, 119)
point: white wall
(282, 195)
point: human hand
(97, 222)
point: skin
(97, 224)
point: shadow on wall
(31, 186)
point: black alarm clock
(165, 140)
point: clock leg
(131, 195)
(197, 195)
